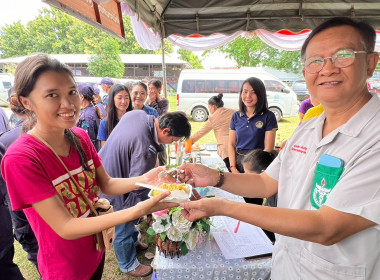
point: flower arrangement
(175, 235)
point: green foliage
(55, 32)
(184, 249)
(175, 209)
(163, 236)
(254, 52)
(107, 62)
(151, 231)
(190, 57)
(14, 40)
(10, 68)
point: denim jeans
(124, 246)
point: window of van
(188, 86)
(211, 86)
(234, 86)
(272, 85)
(7, 85)
(220, 86)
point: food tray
(173, 197)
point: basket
(167, 247)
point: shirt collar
(351, 128)
(355, 125)
(242, 114)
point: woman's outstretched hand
(153, 204)
(153, 177)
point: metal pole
(164, 67)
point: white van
(195, 87)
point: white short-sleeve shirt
(357, 143)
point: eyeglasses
(341, 59)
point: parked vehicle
(300, 88)
(195, 87)
(7, 80)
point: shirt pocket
(314, 267)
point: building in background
(137, 66)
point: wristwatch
(220, 179)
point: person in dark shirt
(155, 100)
(4, 122)
(23, 233)
(8, 269)
(90, 115)
(99, 102)
(106, 84)
(131, 150)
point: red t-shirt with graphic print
(33, 173)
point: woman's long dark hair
(261, 93)
(27, 74)
(111, 108)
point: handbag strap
(35, 135)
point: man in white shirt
(327, 220)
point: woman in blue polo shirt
(253, 126)
(119, 103)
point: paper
(248, 241)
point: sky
(27, 10)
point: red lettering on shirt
(299, 149)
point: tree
(107, 62)
(10, 68)
(190, 57)
(254, 52)
(14, 40)
(55, 32)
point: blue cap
(86, 90)
(107, 81)
(96, 90)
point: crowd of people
(54, 115)
(321, 215)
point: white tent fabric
(282, 41)
(202, 43)
(150, 40)
(145, 36)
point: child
(257, 161)
(38, 183)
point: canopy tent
(206, 24)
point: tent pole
(164, 67)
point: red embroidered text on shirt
(299, 149)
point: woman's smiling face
(248, 96)
(122, 101)
(54, 100)
(139, 95)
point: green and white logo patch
(325, 179)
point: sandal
(141, 271)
